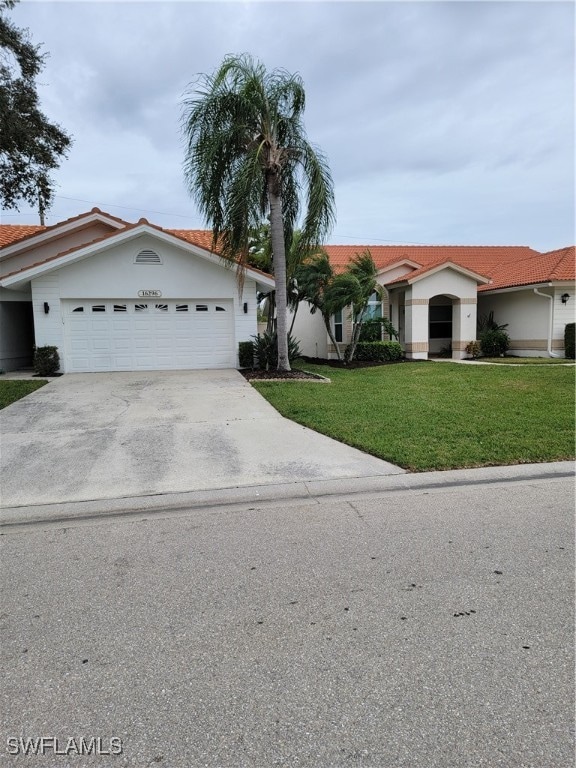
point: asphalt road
(407, 629)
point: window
(338, 326)
(140, 307)
(120, 308)
(78, 309)
(162, 307)
(147, 257)
(220, 309)
(181, 307)
(201, 307)
(440, 321)
(98, 308)
(374, 308)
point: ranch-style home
(116, 296)
(434, 295)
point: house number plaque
(149, 294)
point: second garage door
(128, 335)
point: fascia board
(455, 268)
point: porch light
(245, 307)
(46, 307)
(564, 298)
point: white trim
(57, 231)
(529, 287)
(446, 265)
(399, 263)
(83, 252)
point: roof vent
(148, 257)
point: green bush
(378, 351)
(494, 342)
(569, 341)
(265, 348)
(246, 354)
(46, 361)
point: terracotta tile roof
(423, 270)
(200, 237)
(477, 258)
(507, 266)
(11, 233)
(541, 268)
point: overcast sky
(443, 122)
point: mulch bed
(274, 375)
(353, 364)
(296, 374)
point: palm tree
(325, 291)
(363, 270)
(247, 156)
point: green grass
(14, 389)
(527, 360)
(425, 416)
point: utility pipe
(550, 321)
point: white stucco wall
(446, 282)
(112, 274)
(310, 331)
(528, 318)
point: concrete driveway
(111, 435)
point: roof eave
(127, 233)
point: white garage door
(146, 335)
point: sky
(443, 122)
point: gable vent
(148, 257)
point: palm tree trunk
(331, 335)
(293, 318)
(270, 324)
(279, 258)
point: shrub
(473, 348)
(494, 343)
(246, 354)
(569, 341)
(265, 348)
(46, 361)
(378, 351)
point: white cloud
(443, 122)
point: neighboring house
(115, 296)
(434, 296)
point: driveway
(112, 435)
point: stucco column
(463, 326)
(416, 329)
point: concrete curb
(280, 493)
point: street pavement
(426, 625)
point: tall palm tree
(247, 156)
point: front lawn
(425, 416)
(13, 389)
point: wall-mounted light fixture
(46, 307)
(245, 307)
(564, 298)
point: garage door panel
(130, 335)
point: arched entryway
(440, 325)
